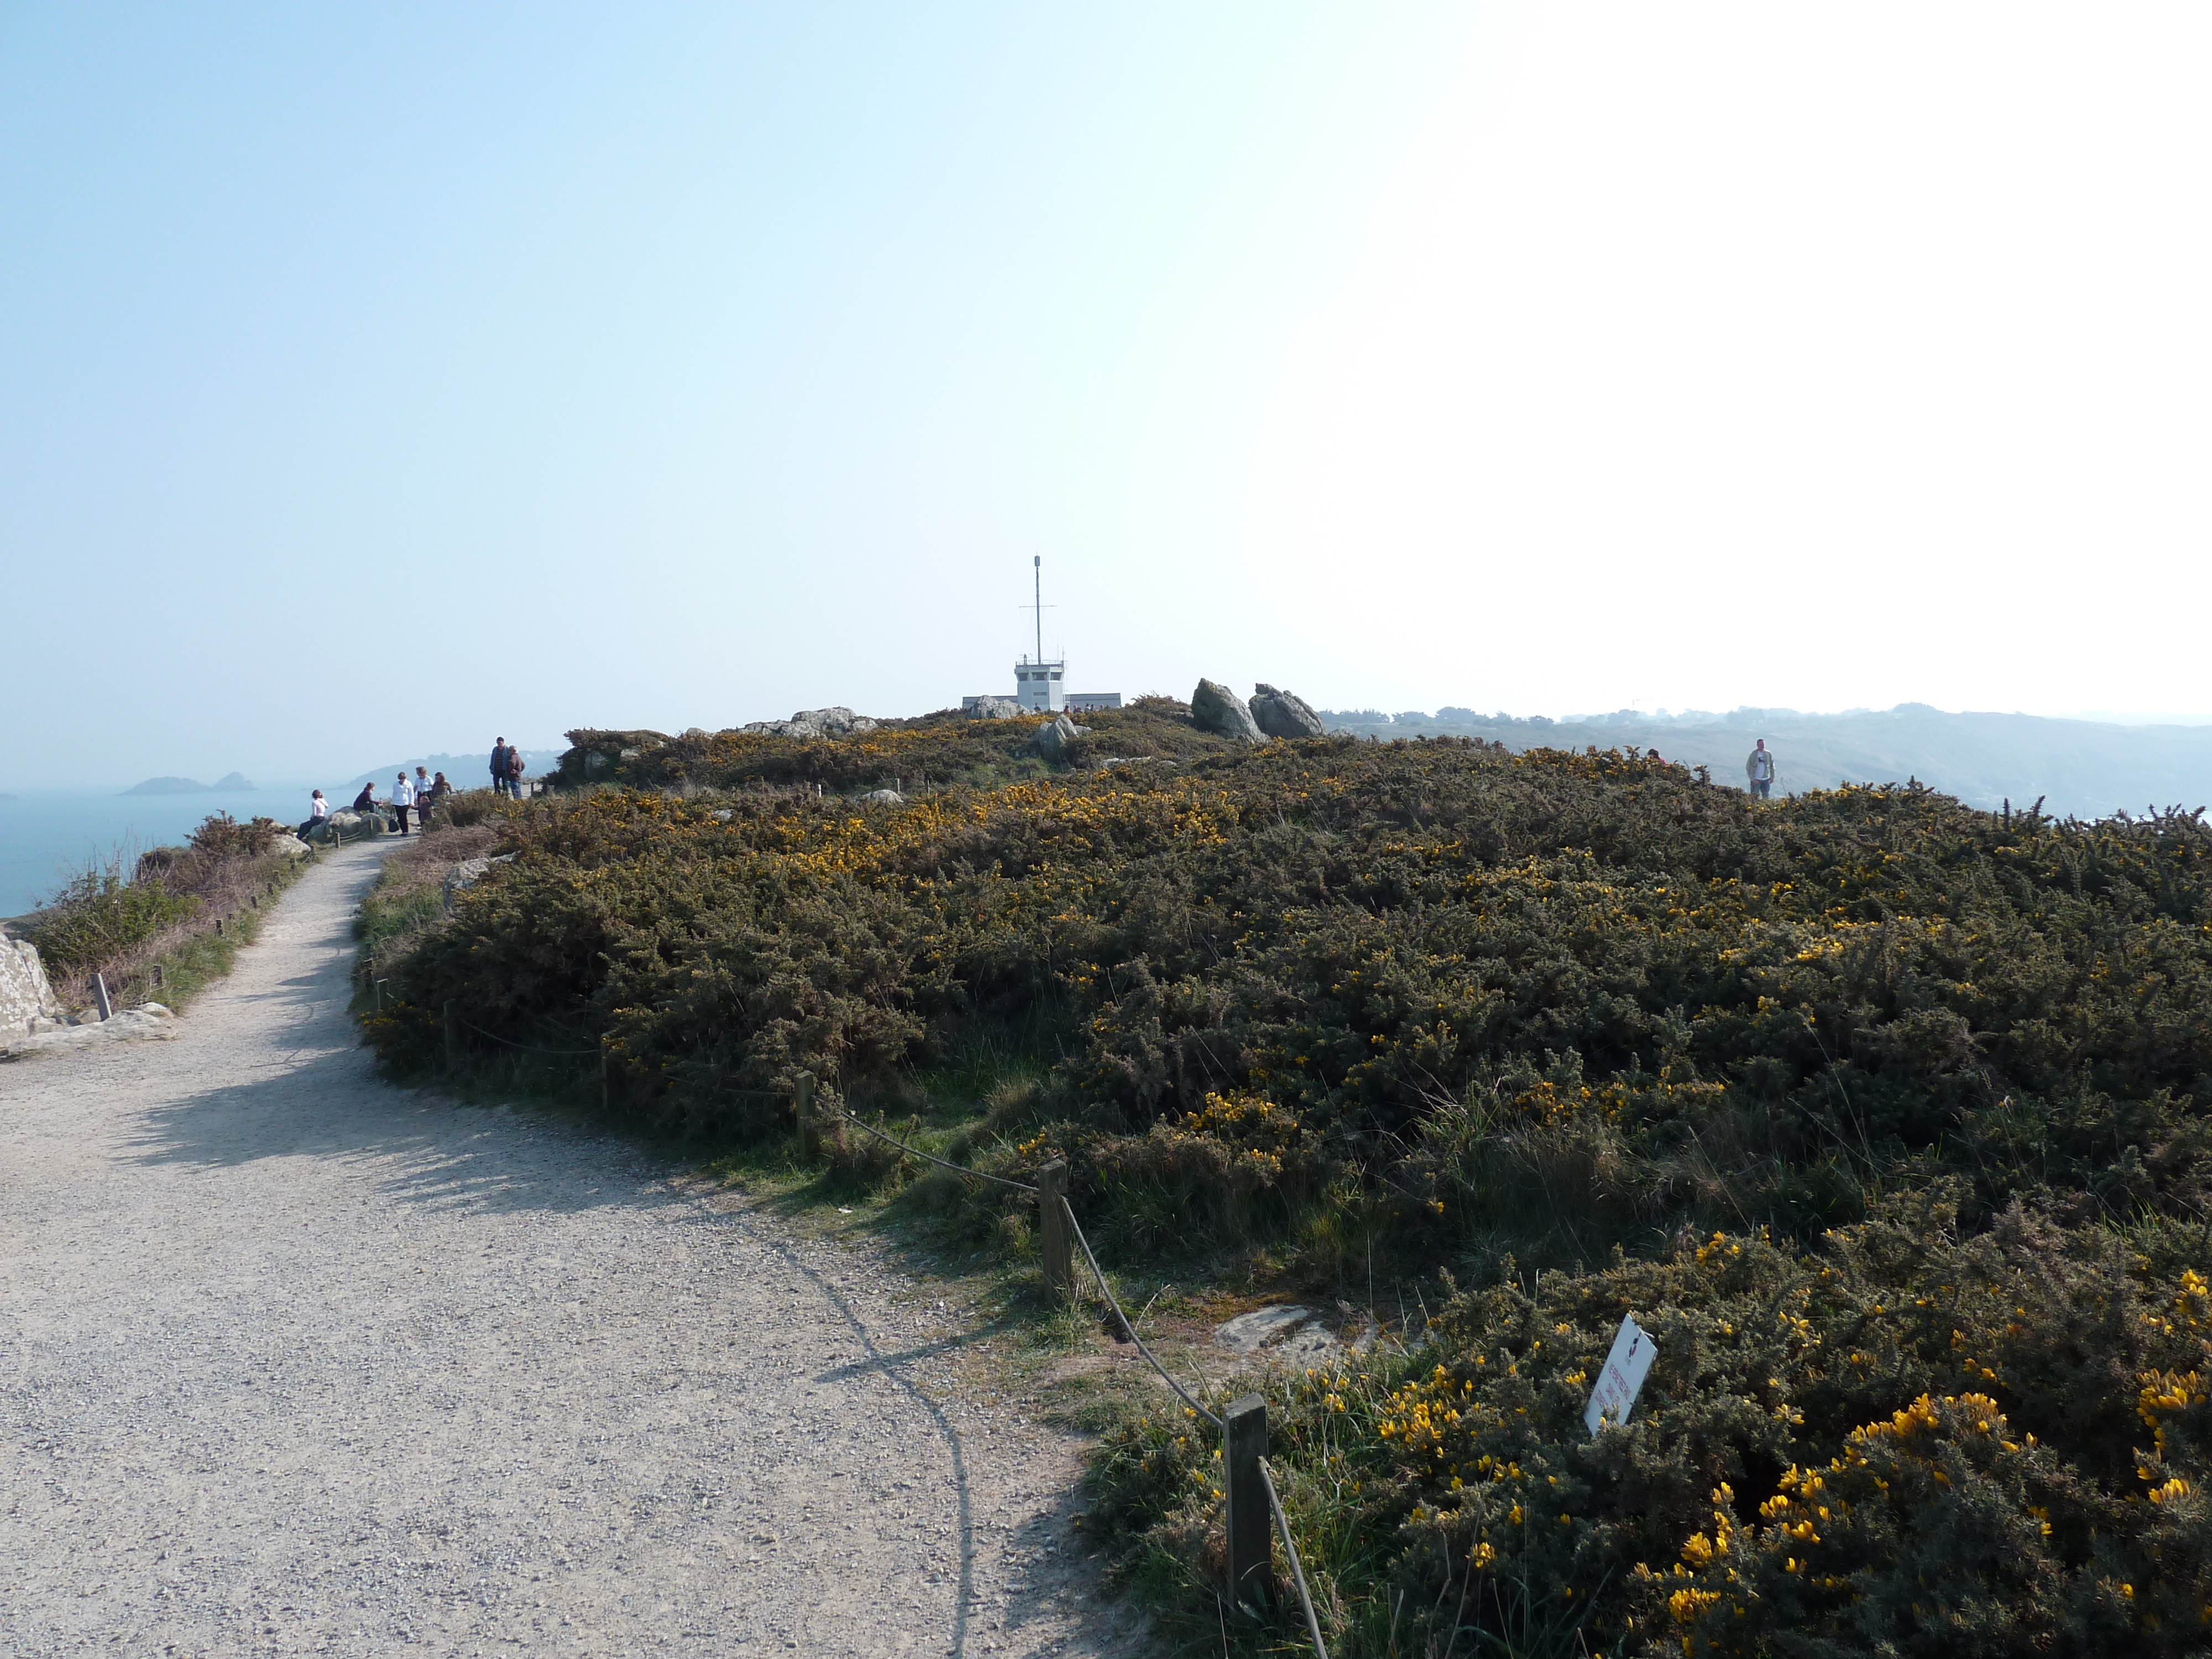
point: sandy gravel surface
(292, 1361)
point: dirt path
(293, 1361)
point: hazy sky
(378, 380)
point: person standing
(402, 797)
(1760, 769)
(514, 770)
(500, 761)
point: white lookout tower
(1041, 686)
(1038, 684)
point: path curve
(295, 1361)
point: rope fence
(916, 1151)
(1129, 1330)
(528, 1048)
(1298, 1568)
(1247, 1477)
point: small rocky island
(235, 781)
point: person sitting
(366, 801)
(318, 813)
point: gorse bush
(937, 750)
(1908, 1441)
(223, 836)
(1465, 977)
(1452, 1009)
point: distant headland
(235, 783)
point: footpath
(294, 1361)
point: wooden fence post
(450, 1046)
(158, 981)
(1051, 1227)
(1249, 1522)
(810, 1127)
(100, 995)
(218, 927)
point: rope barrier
(1129, 1329)
(527, 1048)
(1298, 1569)
(956, 1169)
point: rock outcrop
(884, 798)
(1054, 737)
(27, 1002)
(1218, 709)
(147, 1019)
(469, 871)
(807, 723)
(992, 709)
(1284, 713)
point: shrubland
(122, 919)
(1888, 1118)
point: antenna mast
(1037, 569)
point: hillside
(2082, 768)
(1889, 1119)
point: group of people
(506, 769)
(419, 794)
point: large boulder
(993, 708)
(807, 723)
(1218, 709)
(884, 798)
(27, 1002)
(1055, 734)
(291, 846)
(1284, 713)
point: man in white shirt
(402, 797)
(1760, 769)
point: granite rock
(1284, 713)
(1218, 709)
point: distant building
(1037, 685)
(1041, 686)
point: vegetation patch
(161, 914)
(1531, 1029)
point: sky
(380, 381)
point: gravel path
(293, 1361)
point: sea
(48, 837)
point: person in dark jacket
(501, 759)
(366, 801)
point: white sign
(1618, 1385)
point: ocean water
(48, 836)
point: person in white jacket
(402, 797)
(318, 812)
